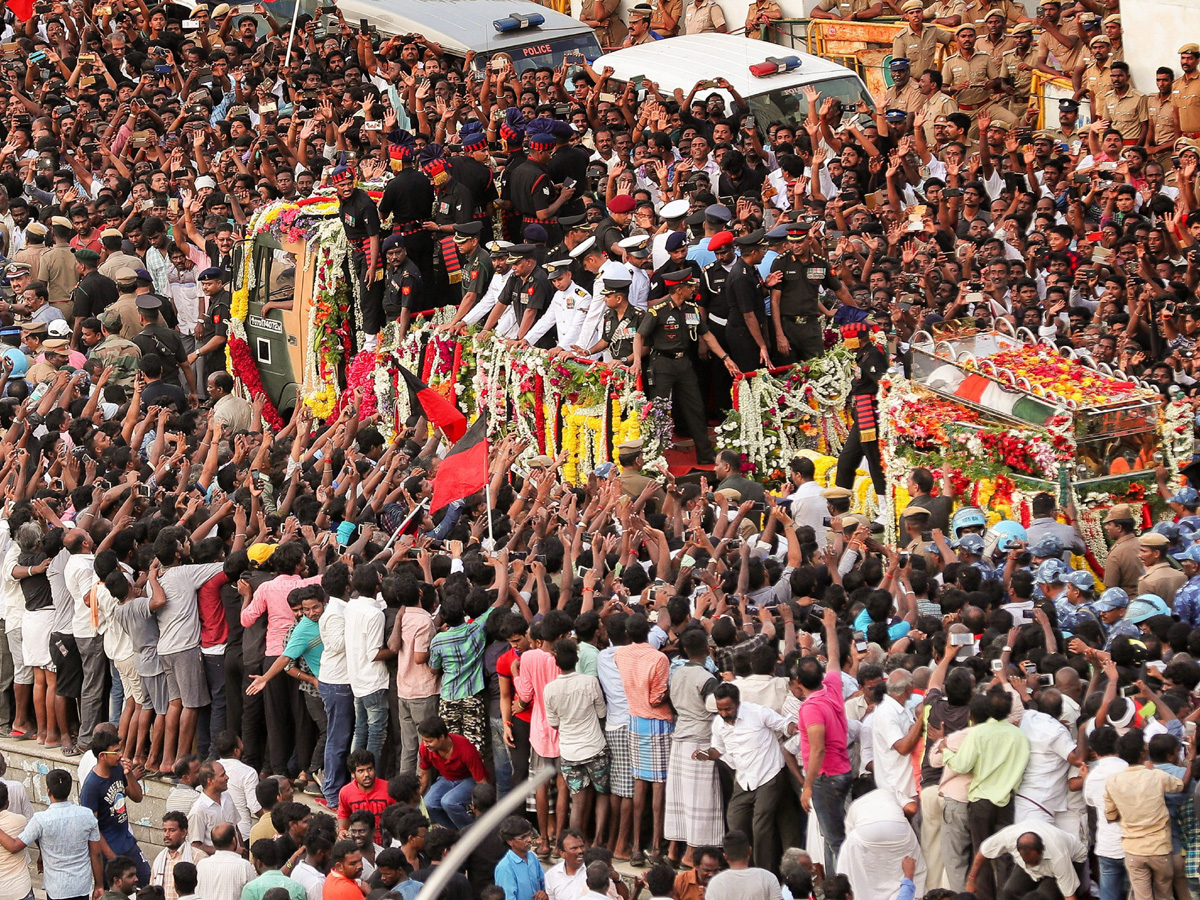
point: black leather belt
(671, 354)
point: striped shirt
(645, 674)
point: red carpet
(682, 461)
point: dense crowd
(743, 693)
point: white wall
(1154, 30)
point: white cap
(583, 247)
(58, 329)
(205, 181)
(676, 209)
(635, 242)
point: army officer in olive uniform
(795, 305)
(671, 330)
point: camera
(816, 611)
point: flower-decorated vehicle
(1094, 421)
(295, 339)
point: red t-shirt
(352, 798)
(464, 761)
(504, 670)
(214, 629)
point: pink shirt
(272, 597)
(827, 707)
(537, 670)
(415, 680)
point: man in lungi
(644, 674)
(695, 817)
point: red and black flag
(438, 410)
(464, 470)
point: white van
(462, 25)
(682, 61)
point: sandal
(72, 752)
(638, 860)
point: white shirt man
(893, 771)
(243, 782)
(223, 875)
(810, 508)
(751, 744)
(364, 638)
(1060, 851)
(1042, 794)
(1108, 834)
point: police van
(769, 77)
(530, 35)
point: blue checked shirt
(62, 832)
(458, 654)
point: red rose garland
(246, 369)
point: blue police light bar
(773, 65)
(518, 22)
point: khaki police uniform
(1185, 94)
(921, 50)
(1127, 114)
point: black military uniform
(532, 190)
(480, 182)
(863, 440)
(408, 199)
(608, 233)
(511, 219)
(360, 220)
(534, 292)
(798, 293)
(716, 308)
(215, 322)
(672, 333)
(571, 162)
(747, 295)
(93, 294)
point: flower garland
(1178, 431)
(776, 414)
(245, 367)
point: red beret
(720, 239)
(622, 203)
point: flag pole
(487, 493)
(395, 534)
(292, 36)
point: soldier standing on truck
(408, 200)
(533, 193)
(402, 284)
(360, 219)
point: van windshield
(789, 103)
(549, 53)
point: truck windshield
(789, 103)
